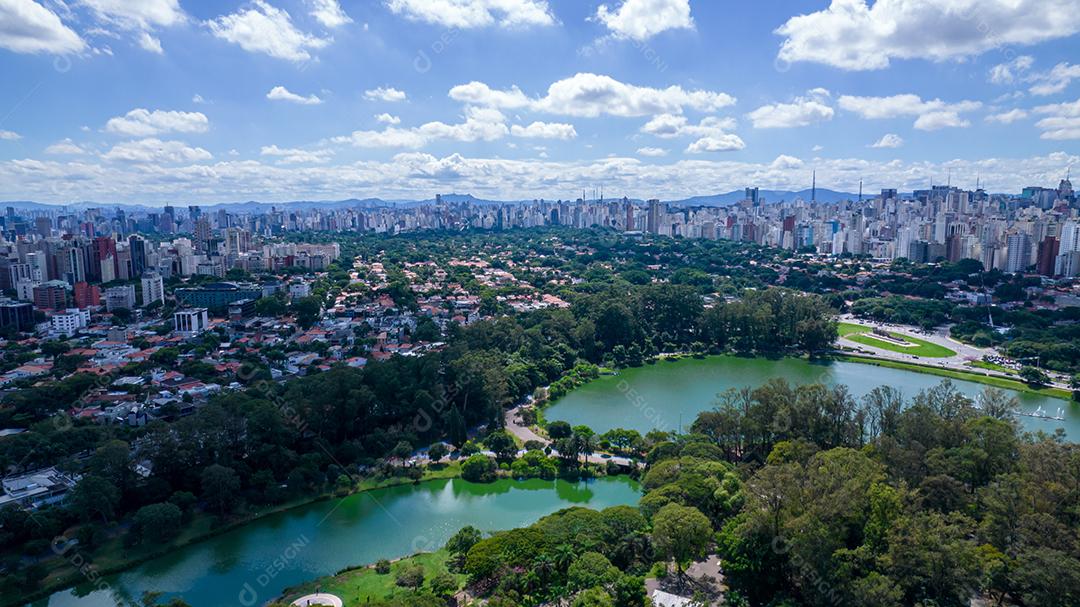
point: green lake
(251, 565)
(668, 395)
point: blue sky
(182, 101)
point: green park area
(904, 344)
(384, 580)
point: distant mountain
(253, 206)
(769, 196)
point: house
(36, 488)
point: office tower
(137, 249)
(1019, 252)
(153, 289)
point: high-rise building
(51, 295)
(87, 295)
(1019, 252)
(122, 296)
(153, 288)
(137, 247)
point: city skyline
(198, 102)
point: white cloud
(1007, 73)
(263, 28)
(198, 99)
(889, 140)
(150, 43)
(1008, 117)
(388, 118)
(9, 135)
(138, 14)
(643, 19)
(28, 27)
(592, 95)
(329, 13)
(481, 124)
(817, 148)
(852, 35)
(1062, 121)
(932, 115)
(65, 146)
(388, 94)
(544, 130)
(723, 143)
(1054, 81)
(802, 112)
(933, 121)
(153, 150)
(465, 14)
(280, 93)
(296, 155)
(141, 122)
(786, 163)
(670, 126)
(652, 152)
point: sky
(185, 101)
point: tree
(502, 443)
(1034, 376)
(559, 429)
(410, 575)
(437, 451)
(443, 584)
(478, 468)
(681, 533)
(95, 496)
(463, 540)
(590, 569)
(220, 486)
(157, 522)
(593, 597)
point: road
(515, 426)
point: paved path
(321, 598)
(515, 426)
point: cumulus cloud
(591, 95)
(1062, 121)
(28, 27)
(388, 118)
(853, 35)
(721, 143)
(888, 140)
(652, 152)
(64, 147)
(1008, 72)
(785, 162)
(466, 14)
(544, 130)
(932, 115)
(643, 19)
(262, 28)
(156, 151)
(481, 124)
(1054, 81)
(280, 93)
(1008, 117)
(150, 43)
(670, 126)
(329, 13)
(296, 155)
(801, 112)
(388, 94)
(9, 135)
(141, 122)
(141, 17)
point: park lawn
(362, 585)
(848, 328)
(997, 382)
(861, 335)
(982, 364)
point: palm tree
(564, 555)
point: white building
(68, 322)
(120, 297)
(299, 290)
(191, 321)
(153, 289)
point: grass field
(363, 585)
(997, 382)
(982, 364)
(861, 335)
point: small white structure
(189, 322)
(68, 322)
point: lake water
(234, 569)
(669, 394)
